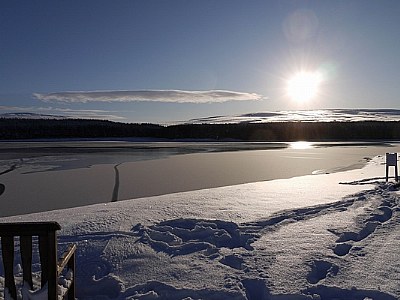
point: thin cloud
(84, 113)
(177, 96)
(14, 108)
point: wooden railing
(47, 242)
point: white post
(391, 160)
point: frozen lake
(41, 176)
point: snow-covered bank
(330, 236)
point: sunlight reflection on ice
(301, 145)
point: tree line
(15, 129)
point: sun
(304, 85)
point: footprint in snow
(321, 269)
(185, 236)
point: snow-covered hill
(324, 115)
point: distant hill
(323, 115)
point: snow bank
(328, 236)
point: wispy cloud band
(177, 96)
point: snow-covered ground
(327, 236)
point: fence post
(391, 161)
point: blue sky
(161, 61)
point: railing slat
(52, 265)
(43, 254)
(7, 249)
(26, 259)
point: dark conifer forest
(17, 129)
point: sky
(165, 61)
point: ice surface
(328, 236)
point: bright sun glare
(301, 145)
(304, 85)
